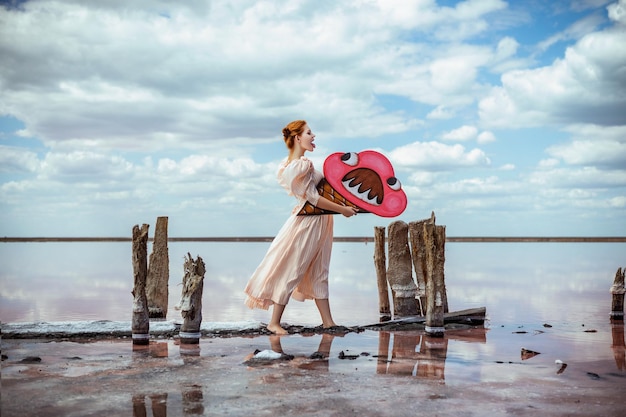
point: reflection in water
(191, 394)
(153, 349)
(404, 353)
(618, 345)
(418, 354)
(158, 405)
(193, 400)
(498, 276)
(192, 403)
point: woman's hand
(326, 204)
(348, 211)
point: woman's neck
(296, 154)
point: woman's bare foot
(329, 325)
(276, 329)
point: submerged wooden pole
(399, 271)
(140, 320)
(380, 262)
(434, 239)
(157, 289)
(617, 291)
(191, 300)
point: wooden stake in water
(140, 320)
(434, 241)
(617, 291)
(191, 300)
(399, 270)
(157, 289)
(380, 263)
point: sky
(504, 118)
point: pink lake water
(551, 298)
(524, 286)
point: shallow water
(522, 285)
(551, 298)
(519, 283)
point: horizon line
(362, 239)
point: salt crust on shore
(105, 327)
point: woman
(296, 263)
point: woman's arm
(326, 204)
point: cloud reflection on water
(518, 283)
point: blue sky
(505, 118)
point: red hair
(293, 129)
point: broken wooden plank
(473, 316)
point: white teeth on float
(354, 190)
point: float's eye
(394, 183)
(350, 158)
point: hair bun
(286, 132)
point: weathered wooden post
(399, 271)
(191, 300)
(434, 242)
(418, 254)
(617, 291)
(380, 263)
(140, 321)
(157, 289)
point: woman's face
(306, 139)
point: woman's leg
(274, 324)
(324, 308)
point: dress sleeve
(299, 179)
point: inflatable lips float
(364, 180)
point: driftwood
(191, 300)
(617, 291)
(140, 320)
(469, 317)
(380, 263)
(399, 271)
(157, 289)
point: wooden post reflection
(432, 356)
(403, 354)
(158, 403)
(419, 354)
(383, 352)
(193, 400)
(618, 346)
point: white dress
(296, 263)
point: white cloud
(587, 85)
(131, 109)
(466, 133)
(591, 152)
(580, 178)
(17, 160)
(593, 145)
(437, 155)
(578, 29)
(440, 113)
(486, 137)
(85, 166)
(462, 134)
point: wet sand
(369, 373)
